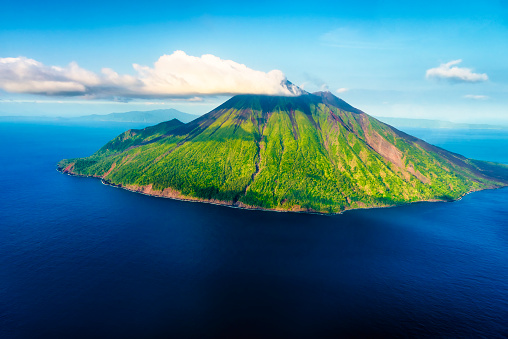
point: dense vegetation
(313, 152)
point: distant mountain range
(312, 152)
(161, 115)
(149, 117)
(427, 123)
(154, 117)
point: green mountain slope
(312, 152)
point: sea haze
(79, 259)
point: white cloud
(476, 97)
(174, 75)
(324, 87)
(23, 75)
(315, 82)
(341, 90)
(451, 72)
(171, 101)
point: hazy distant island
(313, 153)
(436, 124)
(149, 117)
(161, 115)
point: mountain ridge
(153, 117)
(312, 152)
(436, 124)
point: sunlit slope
(313, 152)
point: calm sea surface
(79, 259)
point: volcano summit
(312, 152)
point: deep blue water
(79, 259)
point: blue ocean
(79, 259)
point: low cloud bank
(177, 75)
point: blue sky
(376, 53)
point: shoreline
(253, 208)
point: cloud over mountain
(172, 76)
(449, 71)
